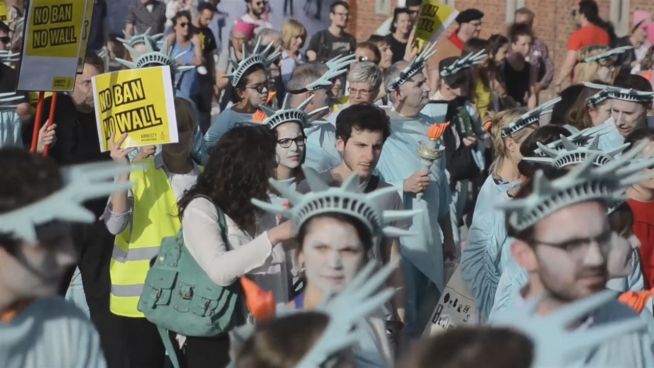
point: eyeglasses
(362, 92)
(300, 141)
(577, 248)
(261, 88)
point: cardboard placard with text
(433, 20)
(86, 29)
(53, 37)
(139, 102)
(456, 307)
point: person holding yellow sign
(140, 220)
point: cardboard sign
(139, 102)
(456, 307)
(86, 29)
(53, 36)
(433, 20)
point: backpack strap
(168, 345)
(222, 223)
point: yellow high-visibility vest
(155, 216)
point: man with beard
(254, 14)
(401, 166)
(564, 242)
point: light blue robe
(10, 129)
(488, 250)
(424, 250)
(225, 121)
(633, 350)
(399, 161)
(321, 147)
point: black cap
(469, 15)
(412, 3)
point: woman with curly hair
(237, 171)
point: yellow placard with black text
(55, 28)
(51, 45)
(432, 21)
(139, 102)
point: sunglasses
(183, 25)
(261, 88)
(5, 39)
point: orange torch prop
(432, 149)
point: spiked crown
(348, 199)
(585, 182)
(153, 57)
(572, 154)
(529, 118)
(141, 38)
(8, 100)
(464, 62)
(83, 182)
(625, 94)
(286, 114)
(337, 66)
(259, 56)
(608, 54)
(414, 67)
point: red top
(456, 41)
(588, 36)
(644, 229)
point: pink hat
(646, 19)
(245, 28)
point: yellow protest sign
(53, 36)
(434, 18)
(55, 28)
(139, 102)
(4, 13)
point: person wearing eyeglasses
(333, 41)
(592, 31)
(144, 15)
(256, 10)
(364, 81)
(250, 92)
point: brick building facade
(553, 22)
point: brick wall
(553, 24)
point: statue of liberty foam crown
(529, 118)
(259, 56)
(414, 67)
(347, 199)
(82, 182)
(583, 183)
(465, 62)
(569, 153)
(286, 114)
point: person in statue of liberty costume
(428, 190)
(484, 257)
(541, 151)
(564, 241)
